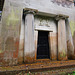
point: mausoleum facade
(33, 29)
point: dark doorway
(43, 45)
(1, 7)
(1, 4)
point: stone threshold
(40, 66)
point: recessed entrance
(43, 45)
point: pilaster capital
(61, 16)
(30, 11)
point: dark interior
(1, 4)
(74, 2)
(43, 45)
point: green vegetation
(73, 73)
(72, 26)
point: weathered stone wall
(12, 21)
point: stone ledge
(37, 12)
(41, 66)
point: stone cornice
(36, 12)
(61, 16)
(29, 10)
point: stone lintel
(61, 16)
(29, 10)
(37, 12)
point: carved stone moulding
(29, 10)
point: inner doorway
(43, 45)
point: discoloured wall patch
(12, 18)
(72, 26)
(63, 2)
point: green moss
(27, 73)
(1, 51)
(62, 73)
(72, 26)
(63, 54)
(12, 18)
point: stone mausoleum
(32, 30)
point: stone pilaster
(29, 43)
(53, 45)
(62, 45)
(62, 42)
(36, 42)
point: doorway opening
(1, 7)
(43, 45)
